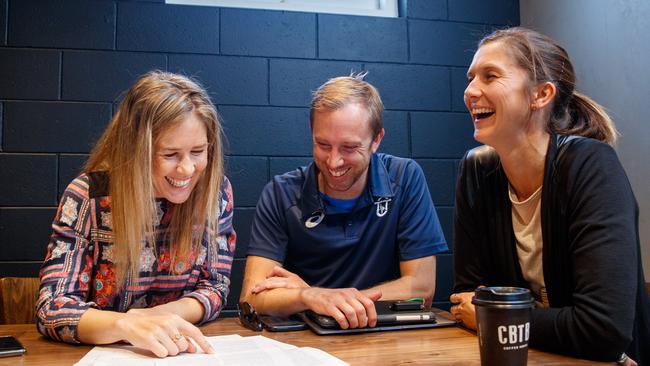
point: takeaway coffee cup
(503, 324)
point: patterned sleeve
(65, 273)
(213, 284)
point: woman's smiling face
(180, 156)
(497, 95)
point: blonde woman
(142, 241)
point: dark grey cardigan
(591, 257)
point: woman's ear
(543, 95)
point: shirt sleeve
(66, 272)
(269, 237)
(419, 233)
(213, 284)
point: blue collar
(379, 187)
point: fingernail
(210, 349)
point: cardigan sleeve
(213, 284)
(468, 272)
(597, 321)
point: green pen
(415, 299)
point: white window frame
(378, 8)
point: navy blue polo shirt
(394, 220)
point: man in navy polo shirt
(352, 227)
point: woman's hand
(164, 334)
(463, 309)
(147, 311)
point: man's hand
(279, 278)
(463, 309)
(348, 306)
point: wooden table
(440, 346)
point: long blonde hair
(156, 102)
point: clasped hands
(350, 307)
(463, 309)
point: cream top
(527, 225)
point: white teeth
(178, 183)
(476, 111)
(338, 173)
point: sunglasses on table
(248, 317)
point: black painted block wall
(63, 65)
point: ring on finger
(177, 337)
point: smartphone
(9, 346)
(324, 321)
(407, 305)
(282, 324)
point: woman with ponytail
(545, 204)
(142, 241)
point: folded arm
(276, 291)
(273, 290)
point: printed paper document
(231, 350)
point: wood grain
(17, 299)
(441, 346)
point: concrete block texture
(29, 74)
(53, 126)
(191, 29)
(458, 85)
(248, 176)
(268, 33)
(62, 24)
(28, 179)
(441, 134)
(292, 82)
(396, 137)
(278, 166)
(3, 21)
(267, 131)
(104, 76)
(499, 12)
(342, 37)
(441, 179)
(242, 220)
(411, 87)
(229, 80)
(426, 9)
(24, 233)
(70, 167)
(444, 43)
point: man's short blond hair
(338, 92)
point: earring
(533, 107)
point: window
(378, 8)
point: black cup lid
(503, 295)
